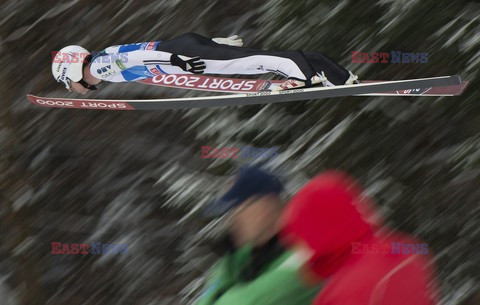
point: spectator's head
(324, 218)
(253, 204)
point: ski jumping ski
(249, 98)
(241, 85)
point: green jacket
(276, 283)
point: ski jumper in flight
(79, 70)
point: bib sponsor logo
(120, 64)
(142, 46)
(155, 71)
(150, 46)
(105, 72)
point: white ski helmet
(67, 64)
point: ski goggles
(86, 85)
(68, 84)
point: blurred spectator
(256, 269)
(325, 218)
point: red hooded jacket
(329, 215)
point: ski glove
(189, 64)
(234, 41)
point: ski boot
(353, 79)
(293, 83)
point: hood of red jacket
(325, 214)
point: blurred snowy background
(138, 178)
